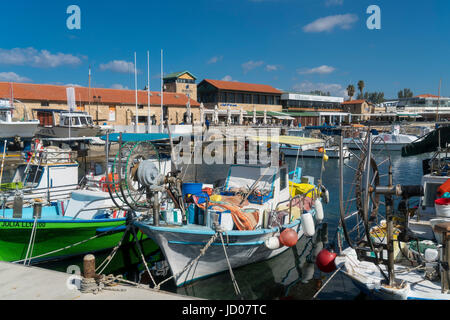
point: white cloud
(119, 86)
(120, 66)
(333, 88)
(272, 67)
(13, 77)
(215, 59)
(330, 3)
(250, 65)
(34, 58)
(227, 78)
(319, 70)
(343, 21)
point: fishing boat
(384, 258)
(48, 174)
(12, 129)
(330, 149)
(391, 141)
(73, 125)
(92, 219)
(247, 219)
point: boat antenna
(439, 101)
(162, 96)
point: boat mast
(136, 94)
(148, 91)
(162, 97)
(439, 101)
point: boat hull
(55, 234)
(63, 132)
(24, 130)
(180, 245)
(332, 153)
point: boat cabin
(50, 174)
(5, 111)
(50, 117)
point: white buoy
(308, 224)
(431, 255)
(273, 243)
(326, 196)
(319, 210)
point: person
(207, 124)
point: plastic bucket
(226, 220)
(442, 207)
(192, 188)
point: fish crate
(259, 199)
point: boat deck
(18, 282)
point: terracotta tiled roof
(241, 86)
(354, 102)
(427, 96)
(44, 92)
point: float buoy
(325, 261)
(308, 224)
(321, 150)
(288, 237)
(273, 243)
(319, 210)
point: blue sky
(297, 45)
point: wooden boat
(249, 225)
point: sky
(293, 45)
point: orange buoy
(325, 261)
(321, 150)
(288, 238)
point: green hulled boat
(51, 235)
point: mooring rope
(233, 279)
(31, 242)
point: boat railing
(84, 208)
(52, 193)
(45, 157)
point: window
(239, 98)
(231, 97)
(45, 103)
(83, 121)
(255, 99)
(262, 99)
(283, 178)
(66, 121)
(248, 98)
(269, 99)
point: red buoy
(325, 261)
(288, 238)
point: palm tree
(361, 87)
(351, 91)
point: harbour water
(291, 275)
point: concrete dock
(18, 282)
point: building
(237, 95)
(110, 106)
(313, 110)
(360, 109)
(181, 82)
(426, 106)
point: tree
(351, 91)
(405, 93)
(361, 86)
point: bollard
(89, 266)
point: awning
(304, 143)
(283, 117)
